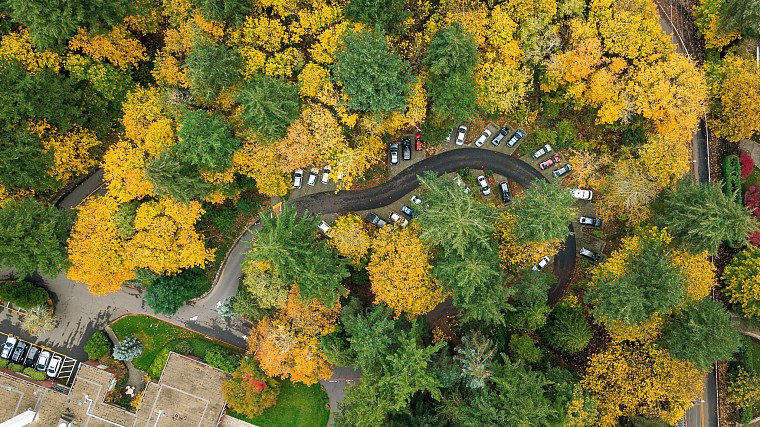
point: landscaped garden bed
(297, 405)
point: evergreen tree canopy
(17, 170)
(168, 293)
(372, 77)
(172, 176)
(268, 106)
(212, 68)
(206, 141)
(452, 51)
(386, 15)
(544, 212)
(230, 11)
(701, 217)
(33, 237)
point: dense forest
(199, 110)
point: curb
(74, 184)
(175, 324)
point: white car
(590, 221)
(8, 347)
(55, 366)
(543, 262)
(398, 219)
(461, 133)
(326, 174)
(42, 361)
(313, 176)
(542, 151)
(484, 185)
(297, 178)
(458, 181)
(581, 194)
(483, 138)
(324, 227)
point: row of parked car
(313, 174)
(503, 133)
(551, 161)
(406, 148)
(29, 355)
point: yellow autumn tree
(287, 344)
(165, 240)
(19, 45)
(118, 46)
(263, 163)
(71, 151)
(588, 168)
(640, 378)
(96, 251)
(351, 238)
(354, 160)
(399, 269)
(735, 84)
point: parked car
(407, 211)
(42, 361)
(516, 137)
(451, 132)
(593, 256)
(564, 170)
(503, 132)
(483, 138)
(416, 200)
(417, 142)
(506, 196)
(406, 149)
(484, 185)
(398, 219)
(458, 181)
(324, 227)
(553, 160)
(19, 352)
(313, 176)
(326, 174)
(297, 178)
(10, 344)
(542, 151)
(55, 366)
(393, 149)
(590, 221)
(581, 194)
(374, 219)
(461, 134)
(543, 262)
(31, 356)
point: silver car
(542, 151)
(461, 133)
(10, 344)
(499, 136)
(590, 221)
(543, 262)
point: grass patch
(155, 338)
(297, 405)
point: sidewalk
(136, 377)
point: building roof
(189, 393)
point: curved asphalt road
(400, 185)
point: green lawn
(155, 338)
(297, 405)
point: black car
(503, 132)
(20, 352)
(373, 218)
(593, 256)
(505, 194)
(394, 153)
(406, 149)
(31, 357)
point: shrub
(157, 367)
(15, 367)
(523, 347)
(569, 330)
(4, 363)
(752, 199)
(128, 349)
(97, 345)
(39, 320)
(23, 294)
(247, 206)
(192, 346)
(183, 347)
(225, 309)
(731, 176)
(747, 164)
(35, 374)
(219, 358)
(250, 391)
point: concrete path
(136, 377)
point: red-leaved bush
(747, 164)
(754, 239)
(752, 199)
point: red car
(548, 162)
(417, 142)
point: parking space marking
(68, 365)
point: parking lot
(69, 366)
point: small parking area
(68, 368)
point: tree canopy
(543, 212)
(268, 106)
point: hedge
(23, 294)
(157, 367)
(15, 367)
(35, 374)
(732, 180)
(4, 363)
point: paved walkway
(136, 377)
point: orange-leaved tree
(96, 251)
(351, 238)
(250, 391)
(165, 240)
(399, 269)
(287, 344)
